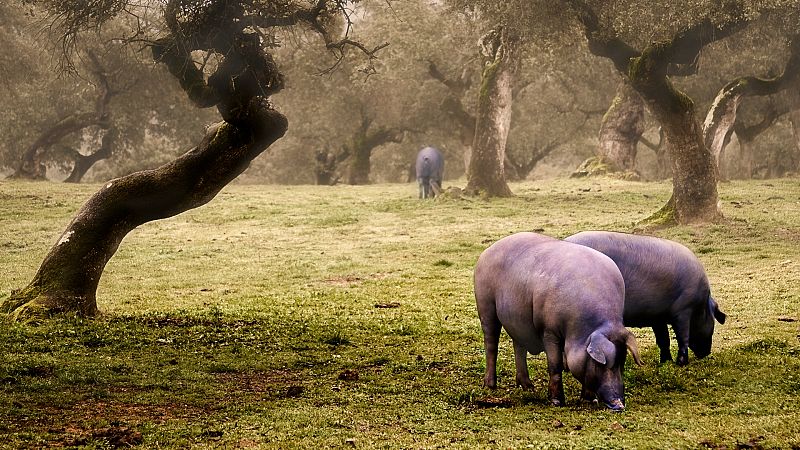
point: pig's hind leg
(521, 363)
(491, 327)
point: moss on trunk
(485, 174)
(664, 217)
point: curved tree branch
(721, 118)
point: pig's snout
(615, 405)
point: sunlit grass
(337, 316)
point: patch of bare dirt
(352, 280)
(114, 423)
(493, 402)
(278, 383)
(115, 436)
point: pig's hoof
(525, 384)
(616, 405)
(682, 360)
(557, 402)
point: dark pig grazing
(560, 298)
(665, 284)
(430, 169)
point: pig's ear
(600, 348)
(630, 342)
(719, 315)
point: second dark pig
(665, 284)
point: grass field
(308, 317)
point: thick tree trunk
(486, 172)
(694, 177)
(360, 166)
(621, 129)
(67, 279)
(362, 146)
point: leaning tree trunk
(486, 172)
(721, 117)
(68, 277)
(32, 165)
(85, 162)
(621, 129)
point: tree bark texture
(68, 277)
(486, 171)
(721, 117)
(694, 177)
(621, 129)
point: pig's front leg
(587, 395)
(554, 349)
(681, 327)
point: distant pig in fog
(560, 298)
(430, 169)
(664, 284)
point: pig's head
(599, 364)
(701, 328)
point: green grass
(308, 317)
